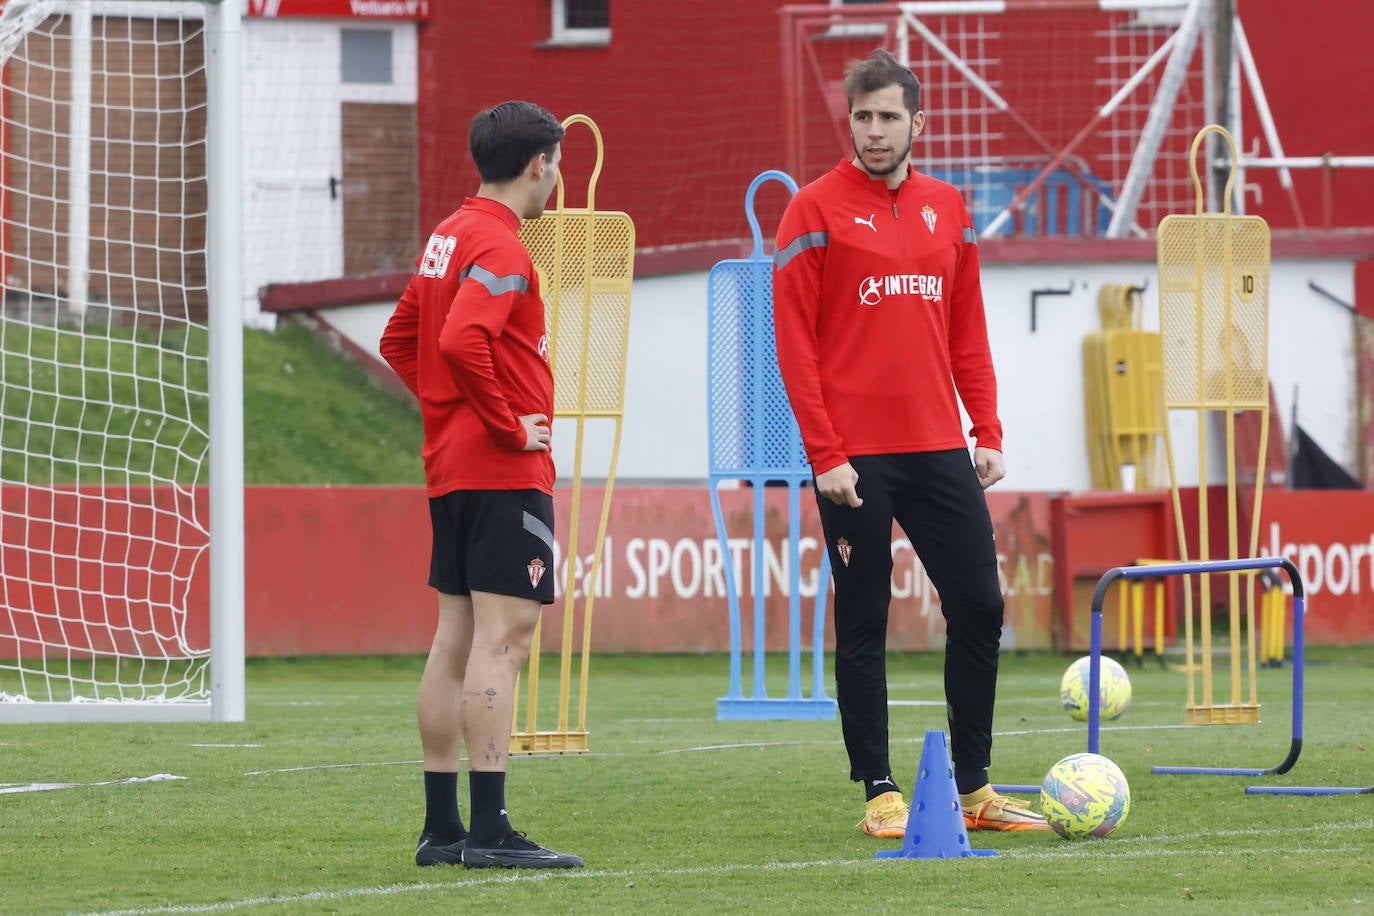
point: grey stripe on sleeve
(970, 235)
(517, 283)
(535, 526)
(800, 244)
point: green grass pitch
(314, 803)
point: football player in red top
(878, 311)
(469, 339)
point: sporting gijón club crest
(844, 549)
(535, 568)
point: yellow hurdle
(1214, 294)
(585, 261)
(1274, 621)
(1131, 614)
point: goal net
(1054, 117)
(105, 352)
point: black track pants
(937, 500)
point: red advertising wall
(343, 569)
(1329, 536)
(64, 584)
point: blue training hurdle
(754, 439)
(1309, 790)
(1201, 567)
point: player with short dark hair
(468, 338)
(878, 310)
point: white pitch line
(679, 720)
(334, 766)
(1365, 824)
(505, 878)
(1192, 853)
(733, 747)
(14, 788)
(917, 739)
(1081, 728)
(401, 763)
(1105, 850)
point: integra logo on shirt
(872, 290)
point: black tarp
(1311, 468)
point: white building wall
(1040, 374)
(292, 93)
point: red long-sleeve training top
(469, 339)
(879, 318)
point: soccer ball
(1114, 691)
(1085, 795)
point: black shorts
(498, 541)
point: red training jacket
(469, 340)
(879, 318)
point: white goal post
(121, 343)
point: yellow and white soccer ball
(1085, 795)
(1114, 690)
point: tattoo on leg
(494, 754)
(491, 697)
